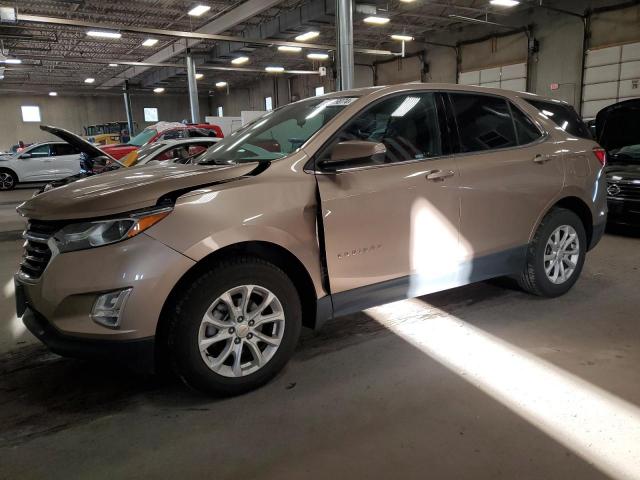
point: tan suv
(321, 208)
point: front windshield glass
(143, 137)
(276, 134)
(626, 153)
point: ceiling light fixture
(103, 34)
(113, 64)
(307, 36)
(318, 56)
(149, 42)
(13, 61)
(403, 38)
(377, 20)
(199, 10)
(221, 84)
(240, 60)
(53, 94)
(274, 69)
(287, 48)
(89, 80)
(199, 76)
(158, 90)
(504, 3)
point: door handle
(540, 158)
(439, 175)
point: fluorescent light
(103, 34)
(89, 80)
(12, 61)
(240, 60)
(199, 10)
(286, 48)
(504, 3)
(404, 38)
(318, 56)
(149, 42)
(199, 76)
(307, 36)
(221, 84)
(274, 69)
(53, 94)
(407, 1)
(158, 90)
(406, 105)
(377, 20)
(113, 64)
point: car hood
(77, 141)
(624, 172)
(126, 190)
(618, 125)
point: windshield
(276, 134)
(143, 137)
(626, 153)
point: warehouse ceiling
(62, 56)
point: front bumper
(67, 290)
(135, 354)
(624, 212)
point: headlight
(83, 235)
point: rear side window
(525, 128)
(564, 116)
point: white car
(42, 162)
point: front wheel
(556, 255)
(236, 327)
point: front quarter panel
(277, 206)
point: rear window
(564, 116)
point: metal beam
(127, 109)
(344, 40)
(193, 89)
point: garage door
(509, 77)
(611, 74)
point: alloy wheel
(241, 331)
(561, 254)
(6, 181)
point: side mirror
(25, 155)
(353, 153)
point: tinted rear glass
(564, 116)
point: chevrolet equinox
(324, 207)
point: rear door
(508, 176)
(66, 160)
(391, 221)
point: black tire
(4, 183)
(534, 278)
(184, 326)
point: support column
(193, 89)
(127, 109)
(344, 40)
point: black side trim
(597, 234)
(135, 354)
(324, 311)
(508, 262)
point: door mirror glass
(353, 153)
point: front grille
(36, 251)
(630, 191)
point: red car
(162, 131)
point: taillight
(601, 155)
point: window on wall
(268, 104)
(30, 113)
(319, 91)
(150, 114)
(220, 111)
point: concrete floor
(475, 383)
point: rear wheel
(8, 180)
(236, 327)
(556, 255)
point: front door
(36, 163)
(508, 176)
(391, 221)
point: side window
(484, 122)
(173, 134)
(41, 151)
(407, 125)
(63, 149)
(564, 116)
(525, 128)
